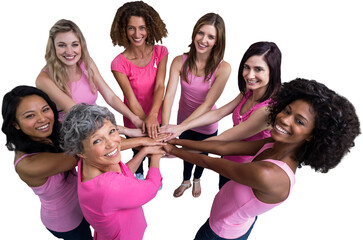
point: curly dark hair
(16, 139)
(336, 122)
(156, 28)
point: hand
(148, 142)
(169, 148)
(154, 150)
(173, 130)
(137, 122)
(151, 125)
(130, 132)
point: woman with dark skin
(312, 125)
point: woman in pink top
(70, 76)
(259, 79)
(203, 75)
(110, 197)
(312, 125)
(140, 69)
(32, 131)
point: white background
(319, 40)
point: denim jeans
(188, 167)
(82, 232)
(206, 233)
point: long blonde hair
(56, 68)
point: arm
(134, 163)
(264, 177)
(141, 141)
(34, 170)
(130, 132)
(171, 89)
(223, 147)
(214, 92)
(256, 123)
(205, 119)
(134, 104)
(112, 99)
(60, 98)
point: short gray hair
(82, 121)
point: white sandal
(185, 186)
(193, 191)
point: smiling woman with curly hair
(311, 125)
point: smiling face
(256, 73)
(102, 149)
(34, 117)
(294, 124)
(68, 48)
(205, 39)
(136, 31)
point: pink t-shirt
(142, 79)
(81, 90)
(60, 210)
(235, 206)
(192, 95)
(238, 118)
(112, 202)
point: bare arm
(34, 170)
(223, 147)
(171, 89)
(134, 163)
(256, 123)
(45, 83)
(112, 99)
(205, 119)
(151, 121)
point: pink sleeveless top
(81, 90)
(238, 118)
(142, 79)
(193, 94)
(60, 210)
(235, 206)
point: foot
(180, 190)
(197, 190)
(140, 176)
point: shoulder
(43, 78)
(224, 68)
(160, 51)
(177, 62)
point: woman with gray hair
(110, 197)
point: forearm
(155, 161)
(133, 142)
(135, 162)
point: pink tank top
(193, 94)
(60, 210)
(81, 90)
(142, 79)
(238, 118)
(235, 206)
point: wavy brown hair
(217, 53)
(156, 28)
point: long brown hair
(217, 53)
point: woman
(70, 76)
(110, 197)
(312, 125)
(259, 79)
(32, 130)
(140, 69)
(203, 75)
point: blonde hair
(56, 68)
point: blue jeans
(206, 233)
(188, 167)
(82, 232)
